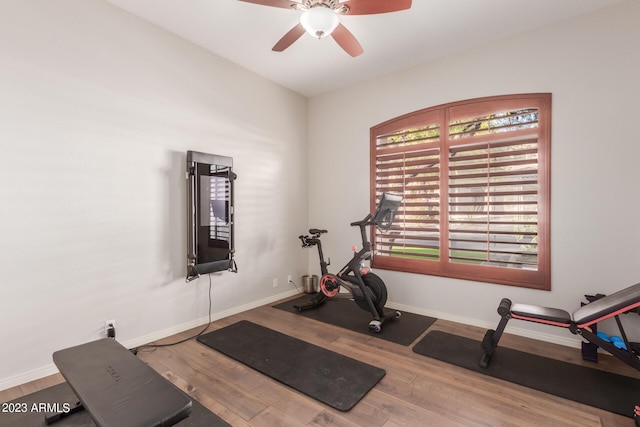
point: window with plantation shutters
(475, 179)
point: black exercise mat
(62, 394)
(593, 387)
(329, 377)
(346, 314)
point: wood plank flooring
(416, 391)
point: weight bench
(117, 389)
(579, 323)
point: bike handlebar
(364, 221)
(308, 241)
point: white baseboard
(569, 341)
(51, 369)
(29, 376)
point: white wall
(590, 64)
(97, 111)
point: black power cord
(294, 285)
(153, 347)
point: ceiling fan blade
(288, 39)
(275, 3)
(370, 7)
(346, 40)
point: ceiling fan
(321, 18)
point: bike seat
(316, 231)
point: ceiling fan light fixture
(319, 21)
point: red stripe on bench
(608, 315)
(546, 322)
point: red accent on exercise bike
(329, 285)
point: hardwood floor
(416, 391)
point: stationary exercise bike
(366, 289)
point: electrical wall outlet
(110, 324)
(275, 282)
(289, 280)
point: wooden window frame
(535, 276)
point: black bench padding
(119, 390)
(621, 300)
(586, 315)
(541, 313)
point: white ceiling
(244, 33)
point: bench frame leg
(492, 337)
(54, 417)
